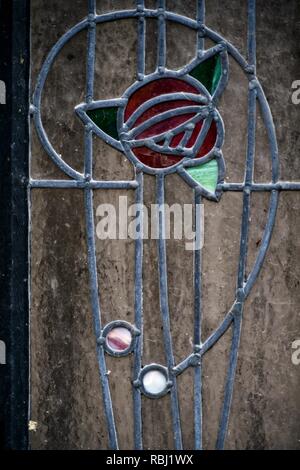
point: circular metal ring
(107, 330)
(162, 370)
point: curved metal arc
(197, 186)
(98, 19)
(180, 150)
(219, 49)
(202, 135)
(163, 99)
(224, 77)
(264, 244)
(200, 110)
(270, 127)
(62, 165)
(236, 334)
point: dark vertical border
(14, 150)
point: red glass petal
(162, 107)
(164, 126)
(209, 141)
(177, 139)
(155, 159)
(156, 88)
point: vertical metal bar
(198, 275)
(251, 37)
(252, 94)
(90, 230)
(91, 51)
(197, 325)
(164, 307)
(247, 189)
(89, 94)
(236, 333)
(138, 307)
(141, 45)
(270, 127)
(92, 264)
(201, 21)
(264, 243)
(244, 230)
(161, 37)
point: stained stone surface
(66, 400)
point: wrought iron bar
(95, 303)
(161, 37)
(197, 323)
(138, 308)
(141, 45)
(237, 319)
(164, 307)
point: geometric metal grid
(85, 181)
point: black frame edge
(14, 151)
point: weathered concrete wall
(65, 392)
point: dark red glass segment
(157, 88)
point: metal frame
(14, 145)
(85, 181)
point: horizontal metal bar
(59, 184)
(94, 184)
(279, 186)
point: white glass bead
(154, 382)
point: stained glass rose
(163, 120)
(169, 122)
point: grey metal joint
(201, 30)
(139, 168)
(136, 331)
(222, 46)
(88, 127)
(240, 295)
(140, 10)
(250, 69)
(218, 153)
(32, 109)
(92, 20)
(136, 383)
(253, 84)
(100, 340)
(195, 360)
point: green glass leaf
(208, 73)
(206, 175)
(106, 120)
